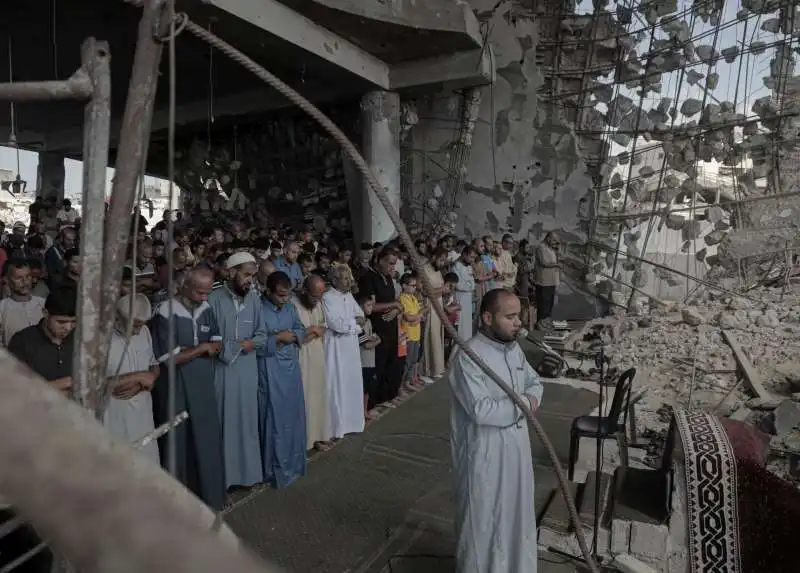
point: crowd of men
(283, 341)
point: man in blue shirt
(287, 263)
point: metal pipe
(114, 510)
(726, 206)
(89, 364)
(161, 430)
(77, 87)
(709, 284)
(131, 154)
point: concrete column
(50, 176)
(380, 144)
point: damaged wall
(523, 186)
(534, 178)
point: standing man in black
(378, 282)
(47, 347)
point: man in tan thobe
(312, 360)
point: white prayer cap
(141, 307)
(237, 259)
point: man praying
(343, 376)
(237, 309)
(493, 469)
(199, 462)
(282, 410)
(312, 361)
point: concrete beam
(460, 70)
(69, 141)
(286, 24)
(434, 15)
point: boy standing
(367, 341)
(410, 326)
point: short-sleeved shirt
(292, 270)
(49, 360)
(373, 283)
(411, 305)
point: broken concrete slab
(692, 316)
(791, 372)
(751, 377)
(783, 420)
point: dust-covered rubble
(682, 359)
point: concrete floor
(380, 502)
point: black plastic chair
(606, 427)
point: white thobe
(129, 420)
(493, 469)
(343, 379)
(464, 292)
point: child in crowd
(451, 307)
(410, 326)
(367, 341)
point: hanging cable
(172, 442)
(210, 119)
(12, 136)
(54, 37)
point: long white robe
(465, 290)
(343, 379)
(493, 469)
(130, 420)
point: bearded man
(495, 515)
(312, 361)
(198, 457)
(238, 311)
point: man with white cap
(238, 311)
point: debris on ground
(736, 356)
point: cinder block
(649, 542)
(620, 536)
(627, 563)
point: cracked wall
(526, 174)
(533, 179)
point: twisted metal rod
(416, 260)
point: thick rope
(416, 260)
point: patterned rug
(711, 490)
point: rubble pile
(683, 360)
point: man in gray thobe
(238, 311)
(495, 515)
(198, 454)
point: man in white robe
(343, 379)
(495, 515)
(465, 290)
(133, 370)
